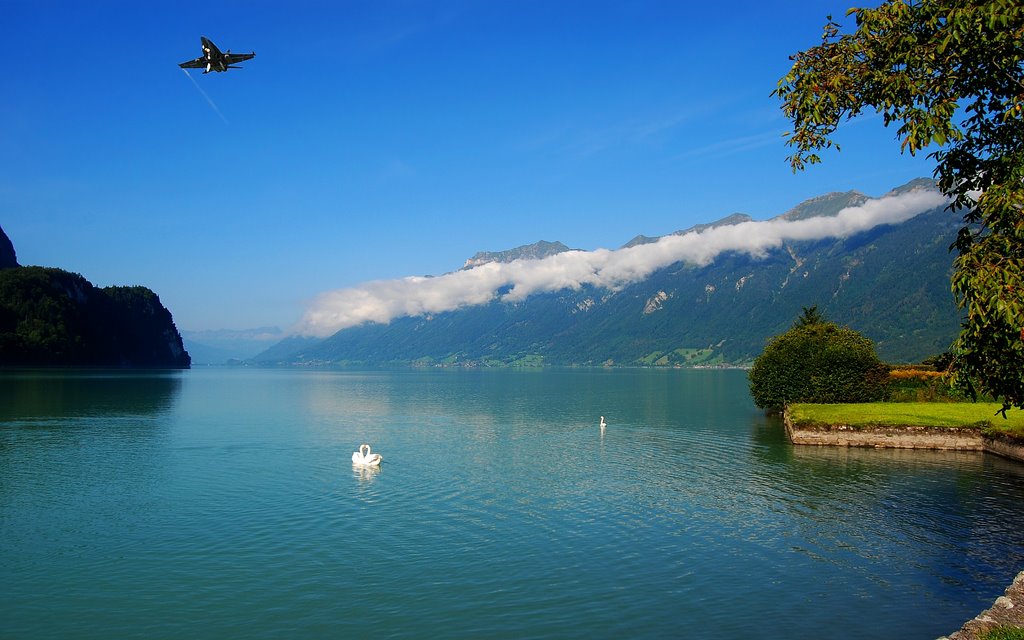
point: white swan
(366, 458)
(603, 423)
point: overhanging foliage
(950, 74)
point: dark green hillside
(49, 317)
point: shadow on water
(50, 394)
(945, 520)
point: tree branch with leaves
(950, 75)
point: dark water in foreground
(223, 504)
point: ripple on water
(501, 510)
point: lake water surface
(221, 503)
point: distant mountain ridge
(890, 282)
(735, 218)
(229, 346)
(535, 251)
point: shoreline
(1008, 609)
(903, 437)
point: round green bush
(818, 362)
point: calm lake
(222, 503)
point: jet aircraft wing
(198, 63)
(232, 58)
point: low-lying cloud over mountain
(384, 300)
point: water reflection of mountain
(55, 394)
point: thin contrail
(212, 104)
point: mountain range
(229, 346)
(889, 282)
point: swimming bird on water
(366, 458)
(603, 423)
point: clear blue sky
(379, 139)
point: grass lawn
(1003, 633)
(929, 414)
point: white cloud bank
(383, 300)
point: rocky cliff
(8, 258)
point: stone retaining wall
(1007, 611)
(1006, 447)
(903, 437)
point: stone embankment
(1007, 611)
(904, 437)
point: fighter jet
(213, 60)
